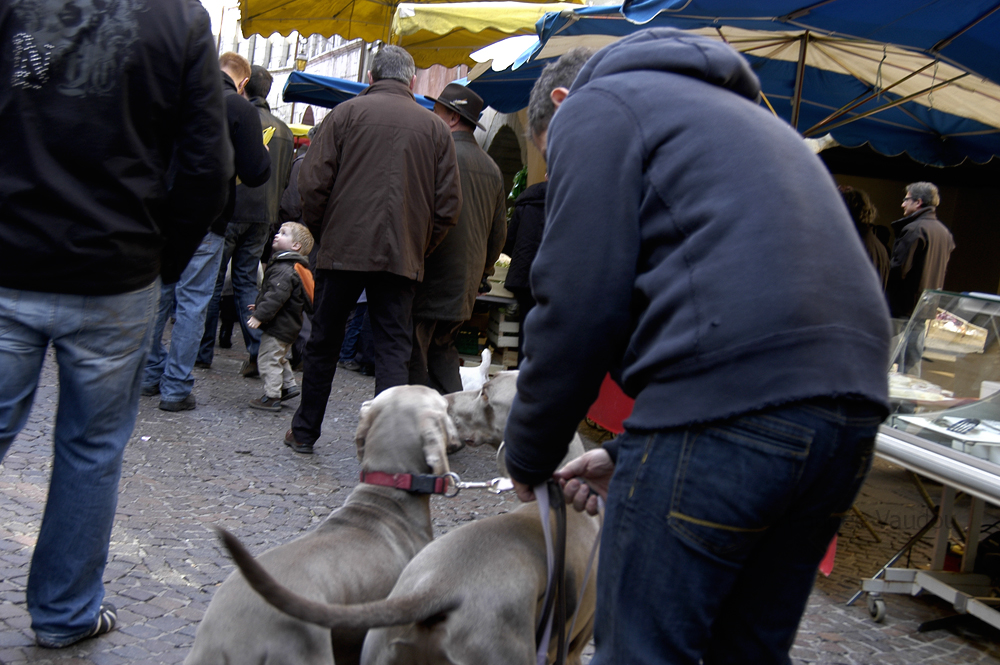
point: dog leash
(448, 485)
(555, 590)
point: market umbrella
(922, 100)
(369, 20)
(446, 33)
(327, 91)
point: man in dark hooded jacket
(696, 248)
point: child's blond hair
(301, 235)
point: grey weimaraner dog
(355, 556)
(471, 597)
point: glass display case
(944, 377)
(944, 389)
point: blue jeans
(244, 244)
(100, 344)
(352, 334)
(191, 295)
(713, 533)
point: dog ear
(437, 433)
(365, 421)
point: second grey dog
(355, 556)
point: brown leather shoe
(304, 448)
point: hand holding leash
(586, 478)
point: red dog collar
(410, 482)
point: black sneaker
(249, 368)
(185, 404)
(202, 365)
(266, 403)
(289, 393)
(352, 365)
(107, 619)
(304, 448)
(149, 391)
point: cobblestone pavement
(224, 464)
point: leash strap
(542, 497)
(548, 494)
(590, 566)
(411, 482)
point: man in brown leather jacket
(380, 189)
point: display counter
(944, 388)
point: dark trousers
(713, 532)
(390, 302)
(434, 361)
(228, 317)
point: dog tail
(388, 612)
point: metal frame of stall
(969, 593)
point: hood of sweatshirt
(675, 51)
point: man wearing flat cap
(453, 272)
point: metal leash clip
(495, 486)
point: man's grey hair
(925, 191)
(259, 84)
(393, 62)
(560, 74)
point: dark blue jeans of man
(100, 345)
(713, 533)
(244, 244)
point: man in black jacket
(921, 251)
(250, 227)
(169, 373)
(93, 112)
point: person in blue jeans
(87, 232)
(697, 250)
(169, 372)
(249, 232)
(351, 349)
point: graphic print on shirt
(81, 46)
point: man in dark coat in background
(863, 212)
(168, 374)
(454, 271)
(523, 237)
(250, 228)
(114, 162)
(921, 251)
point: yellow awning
(300, 130)
(446, 33)
(369, 20)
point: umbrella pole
(884, 107)
(864, 99)
(799, 76)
